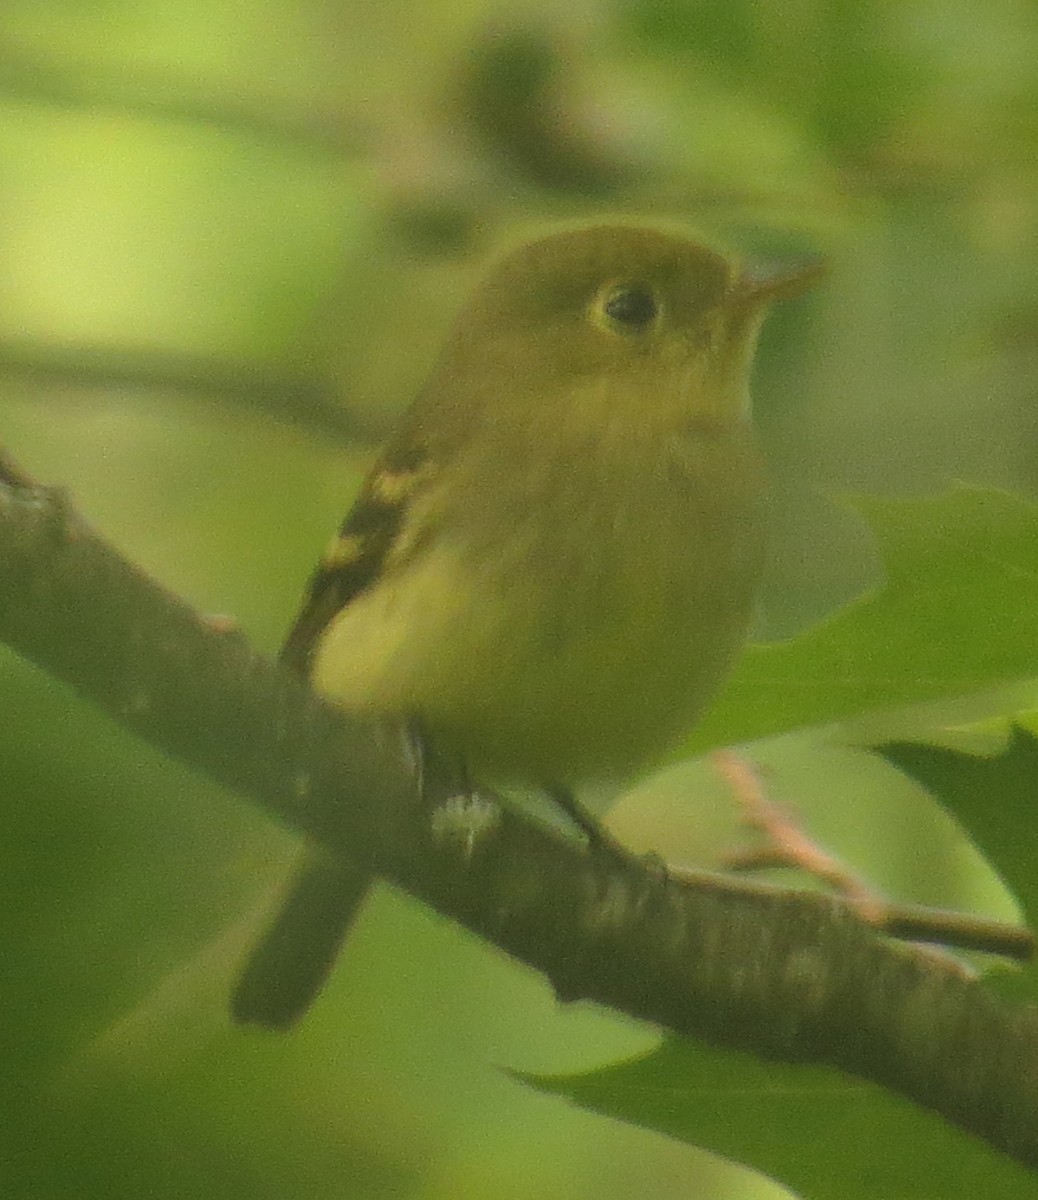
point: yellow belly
(571, 680)
(572, 626)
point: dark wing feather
(358, 556)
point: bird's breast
(577, 624)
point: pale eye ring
(629, 307)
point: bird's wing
(361, 551)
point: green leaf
(995, 799)
(812, 1129)
(955, 616)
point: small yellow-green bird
(552, 565)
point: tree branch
(790, 975)
(294, 399)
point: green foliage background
(230, 239)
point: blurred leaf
(815, 1130)
(992, 796)
(956, 616)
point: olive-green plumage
(554, 562)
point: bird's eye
(629, 307)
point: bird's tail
(289, 966)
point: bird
(555, 560)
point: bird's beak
(764, 281)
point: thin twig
(787, 845)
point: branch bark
(789, 975)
